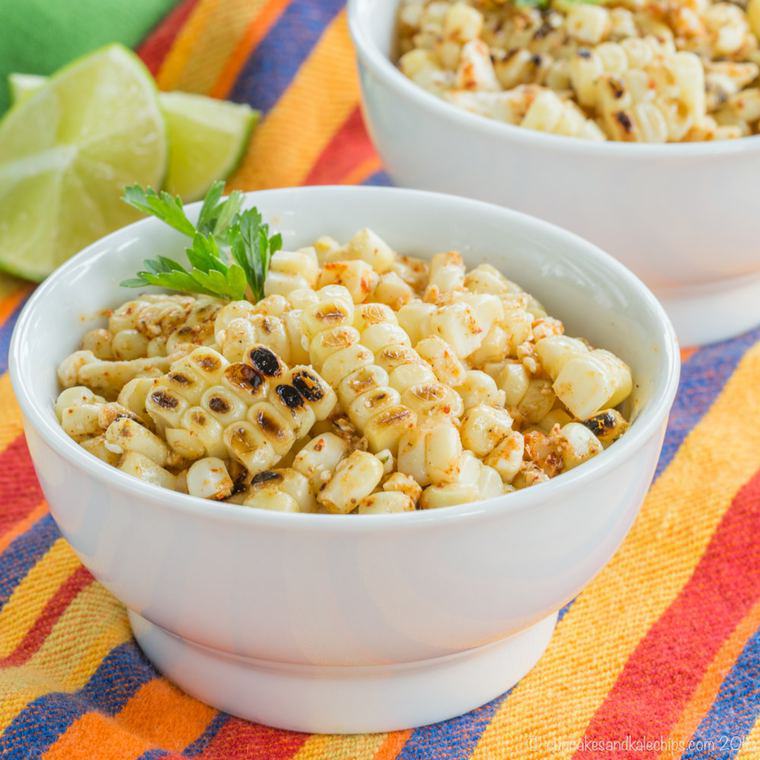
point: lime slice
(67, 150)
(207, 139)
(23, 86)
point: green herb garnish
(221, 225)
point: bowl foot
(344, 699)
(706, 314)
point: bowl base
(706, 314)
(344, 699)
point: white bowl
(331, 623)
(684, 217)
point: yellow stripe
(707, 690)
(599, 633)
(33, 593)
(93, 624)
(358, 747)
(11, 424)
(208, 38)
(295, 132)
(751, 746)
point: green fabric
(39, 36)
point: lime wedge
(66, 151)
(23, 86)
(207, 139)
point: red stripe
(20, 491)
(53, 610)
(238, 739)
(156, 46)
(669, 662)
(349, 147)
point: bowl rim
(652, 417)
(381, 66)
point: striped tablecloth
(658, 657)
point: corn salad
(630, 70)
(365, 382)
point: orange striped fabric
(658, 657)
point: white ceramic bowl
(684, 217)
(334, 623)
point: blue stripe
(213, 728)
(154, 754)
(734, 712)
(36, 728)
(274, 63)
(702, 379)
(5, 333)
(378, 179)
(452, 739)
(24, 553)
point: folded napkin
(658, 657)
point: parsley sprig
(230, 249)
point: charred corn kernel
(415, 318)
(507, 457)
(270, 427)
(361, 381)
(607, 425)
(479, 388)
(145, 469)
(271, 498)
(368, 314)
(555, 351)
(186, 443)
(223, 404)
(514, 380)
(404, 376)
(328, 342)
(97, 447)
(446, 365)
(74, 396)
(392, 357)
(251, 446)
(202, 427)
(379, 336)
(363, 408)
(554, 417)
(370, 247)
(343, 362)
(99, 342)
(484, 427)
(287, 481)
(357, 276)
(315, 391)
(593, 381)
(392, 291)
(475, 71)
(431, 399)
(449, 495)
(208, 479)
(125, 435)
(334, 308)
(354, 478)
(134, 394)
(457, 324)
(385, 502)
(405, 484)
(385, 429)
(319, 457)
(578, 444)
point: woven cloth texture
(659, 657)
